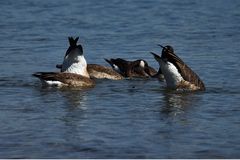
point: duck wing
(96, 70)
(69, 79)
(187, 73)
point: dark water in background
(119, 119)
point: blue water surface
(128, 118)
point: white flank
(75, 63)
(116, 68)
(52, 83)
(171, 74)
(142, 64)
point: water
(119, 119)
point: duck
(73, 72)
(178, 75)
(97, 71)
(74, 60)
(64, 79)
(132, 69)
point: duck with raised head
(136, 69)
(73, 71)
(176, 73)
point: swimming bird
(74, 60)
(101, 72)
(97, 71)
(176, 73)
(73, 72)
(137, 69)
(64, 79)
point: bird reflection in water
(75, 107)
(176, 102)
(75, 98)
